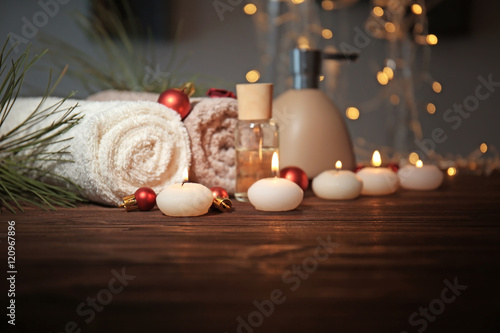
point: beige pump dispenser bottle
(314, 135)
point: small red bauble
(358, 167)
(219, 192)
(146, 198)
(296, 175)
(177, 100)
(393, 166)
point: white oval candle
(186, 199)
(275, 194)
(376, 180)
(337, 184)
(420, 177)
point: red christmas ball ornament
(358, 167)
(178, 99)
(175, 100)
(393, 166)
(296, 175)
(145, 198)
(219, 192)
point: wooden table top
(408, 262)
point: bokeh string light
(390, 20)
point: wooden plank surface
(384, 262)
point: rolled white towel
(117, 147)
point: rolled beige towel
(117, 147)
(211, 125)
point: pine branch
(23, 149)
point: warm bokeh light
(419, 164)
(452, 171)
(416, 8)
(483, 148)
(389, 72)
(431, 108)
(250, 9)
(391, 63)
(321, 78)
(275, 164)
(376, 159)
(328, 4)
(253, 76)
(297, 2)
(303, 43)
(352, 113)
(327, 33)
(185, 175)
(436, 86)
(378, 11)
(338, 165)
(390, 27)
(394, 99)
(382, 78)
(431, 39)
(413, 158)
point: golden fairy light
(436, 86)
(452, 171)
(303, 43)
(327, 33)
(483, 147)
(321, 77)
(390, 27)
(382, 78)
(416, 9)
(431, 39)
(338, 165)
(389, 72)
(419, 164)
(328, 4)
(378, 11)
(394, 99)
(376, 159)
(297, 2)
(413, 158)
(431, 108)
(352, 113)
(250, 9)
(253, 76)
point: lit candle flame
(419, 164)
(275, 164)
(185, 175)
(376, 159)
(338, 165)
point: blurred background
(218, 43)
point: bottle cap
(129, 203)
(306, 67)
(254, 101)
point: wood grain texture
(391, 257)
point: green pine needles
(23, 150)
